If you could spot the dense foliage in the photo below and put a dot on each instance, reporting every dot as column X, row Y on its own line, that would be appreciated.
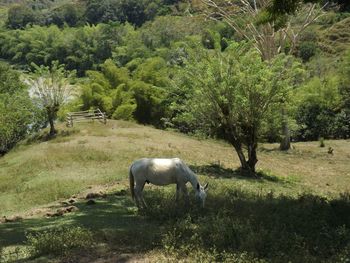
column 162, row 63
column 135, row 12
column 135, row 56
column 233, row 92
column 18, row 115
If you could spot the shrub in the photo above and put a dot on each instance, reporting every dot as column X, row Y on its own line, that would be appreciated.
column 58, row 241
column 124, row 112
column 322, row 142
column 307, row 50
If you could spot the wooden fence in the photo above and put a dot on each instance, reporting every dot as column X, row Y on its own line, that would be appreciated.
column 84, row 116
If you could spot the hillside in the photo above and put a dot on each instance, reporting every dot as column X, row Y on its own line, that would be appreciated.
column 37, row 175
column 336, row 38
column 97, row 155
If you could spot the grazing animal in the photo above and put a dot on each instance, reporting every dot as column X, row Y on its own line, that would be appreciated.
column 163, row 172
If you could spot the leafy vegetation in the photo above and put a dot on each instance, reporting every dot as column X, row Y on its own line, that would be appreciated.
column 134, row 61
column 19, row 115
column 233, row 92
column 265, row 71
column 51, row 88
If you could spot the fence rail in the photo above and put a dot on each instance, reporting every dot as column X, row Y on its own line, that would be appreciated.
column 84, row 116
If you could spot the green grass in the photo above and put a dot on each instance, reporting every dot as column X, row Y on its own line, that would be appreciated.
column 294, row 212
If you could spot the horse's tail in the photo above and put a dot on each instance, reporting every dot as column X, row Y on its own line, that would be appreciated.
column 131, row 180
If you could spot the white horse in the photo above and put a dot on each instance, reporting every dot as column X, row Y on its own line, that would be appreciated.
column 163, row 172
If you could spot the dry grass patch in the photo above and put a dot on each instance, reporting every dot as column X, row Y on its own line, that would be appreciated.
column 96, row 154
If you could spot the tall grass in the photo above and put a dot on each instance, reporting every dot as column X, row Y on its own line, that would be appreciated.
column 254, row 227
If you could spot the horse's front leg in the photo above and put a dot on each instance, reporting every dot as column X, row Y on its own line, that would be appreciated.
column 185, row 194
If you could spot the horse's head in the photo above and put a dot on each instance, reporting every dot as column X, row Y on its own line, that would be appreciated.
column 201, row 193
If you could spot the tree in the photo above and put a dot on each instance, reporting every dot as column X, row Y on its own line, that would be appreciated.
column 251, row 21
column 19, row 16
column 18, row 114
column 51, row 87
column 68, row 13
column 233, row 92
column 267, row 24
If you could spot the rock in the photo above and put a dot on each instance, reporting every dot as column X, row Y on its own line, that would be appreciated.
column 121, row 193
column 330, row 150
column 65, row 203
column 96, row 195
column 61, row 211
column 53, row 214
column 12, row 219
column 49, row 214
column 91, row 202
column 92, row 195
column 71, row 201
column 72, row 208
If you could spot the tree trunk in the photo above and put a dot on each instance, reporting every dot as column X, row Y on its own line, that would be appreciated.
column 252, row 157
column 242, row 159
column 51, row 119
column 285, row 141
column 248, row 166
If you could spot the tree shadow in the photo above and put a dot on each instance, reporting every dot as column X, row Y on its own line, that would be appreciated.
column 45, row 136
column 233, row 220
column 114, row 220
column 269, row 150
column 217, row 171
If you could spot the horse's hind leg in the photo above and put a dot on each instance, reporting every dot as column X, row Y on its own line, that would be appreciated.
column 177, row 192
column 139, row 196
column 142, row 199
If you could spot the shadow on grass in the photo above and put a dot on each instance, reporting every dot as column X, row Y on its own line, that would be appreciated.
column 114, row 220
column 276, row 228
column 45, row 136
column 307, row 228
column 217, row 171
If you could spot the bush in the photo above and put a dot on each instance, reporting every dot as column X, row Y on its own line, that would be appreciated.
column 307, row 50
column 322, row 144
column 124, row 112
column 19, row 116
column 59, row 241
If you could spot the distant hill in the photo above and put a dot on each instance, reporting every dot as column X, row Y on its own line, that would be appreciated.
column 336, row 39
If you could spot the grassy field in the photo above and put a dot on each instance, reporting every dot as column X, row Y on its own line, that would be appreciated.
column 299, row 210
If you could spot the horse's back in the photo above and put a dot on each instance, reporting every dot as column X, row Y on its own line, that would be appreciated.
column 160, row 171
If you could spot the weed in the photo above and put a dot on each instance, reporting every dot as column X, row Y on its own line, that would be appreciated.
column 322, row 144
column 59, row 241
